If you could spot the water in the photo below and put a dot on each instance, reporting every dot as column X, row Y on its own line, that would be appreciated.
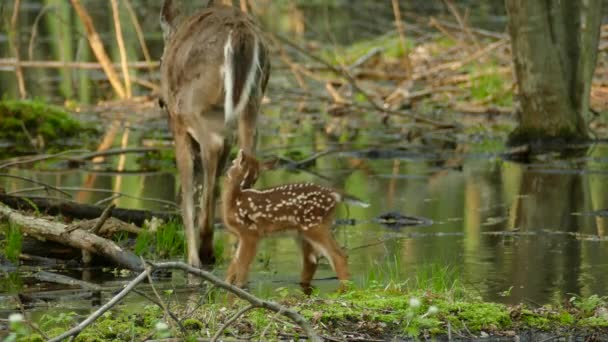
column 513, row 232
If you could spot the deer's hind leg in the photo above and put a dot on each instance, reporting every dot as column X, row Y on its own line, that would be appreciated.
column 183, row 155
column 212, row 154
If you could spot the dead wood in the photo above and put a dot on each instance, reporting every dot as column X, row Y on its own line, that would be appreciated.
column 79, row 238
column 150, row 268
column 65, row 280
column 75, row 210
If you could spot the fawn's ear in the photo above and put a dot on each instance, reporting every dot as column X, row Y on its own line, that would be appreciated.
column 239, row 157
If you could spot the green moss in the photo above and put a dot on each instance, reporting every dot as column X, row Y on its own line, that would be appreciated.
column 387, row 312
column 481, row 316
column 564, row 318
column 32, row 338
column 593, row 322
column 28, row 123
column 535, row 320
column 193, row 324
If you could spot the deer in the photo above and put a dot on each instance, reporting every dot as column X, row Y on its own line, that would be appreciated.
column 214, row 71
column 251, row 214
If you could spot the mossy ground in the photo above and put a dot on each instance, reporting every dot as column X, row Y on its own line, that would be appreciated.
column 35, row 125
column 374, row 312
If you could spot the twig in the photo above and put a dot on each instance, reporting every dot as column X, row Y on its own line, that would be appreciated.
column 98, row 49
column 65, row 280
column 339, row 71
column 106, row 200
column 306, row 162
column 257, row 302
column 14, row 42
column 44, row 185
column 30, row 138
column 102, row 219
column 401, row 30
column 140, row 35
column 368, row 55
column 253, row 300
column 231, row 320
column 12, row 62
column 121, row 48
column 480, row 32
column 72, row 188
column 461, row 22
column 34, row 33
column 38, row 158
column 161, row 303
column 77, row 329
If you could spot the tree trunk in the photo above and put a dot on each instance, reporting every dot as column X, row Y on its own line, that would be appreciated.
column 554, row 47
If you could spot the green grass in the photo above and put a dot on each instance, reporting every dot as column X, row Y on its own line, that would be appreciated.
column 166, row 241
column 391, row 45
column 12, row 244
column 490, row 85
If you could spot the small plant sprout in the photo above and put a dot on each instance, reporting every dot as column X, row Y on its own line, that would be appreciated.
column 15, row 318
column 415, row 302
column 431, row 311
column 17, row 327
column 162, row 329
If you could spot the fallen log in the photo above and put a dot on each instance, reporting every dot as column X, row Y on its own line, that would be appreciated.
column 76, row 210
column 78, row 238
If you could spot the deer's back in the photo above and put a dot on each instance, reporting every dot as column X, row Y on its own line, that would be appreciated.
column 193, row 57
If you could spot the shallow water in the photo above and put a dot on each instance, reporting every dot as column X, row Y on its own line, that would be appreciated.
column 511, row 231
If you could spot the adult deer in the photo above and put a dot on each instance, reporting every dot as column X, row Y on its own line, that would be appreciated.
column 305, row 208
column 214, row 71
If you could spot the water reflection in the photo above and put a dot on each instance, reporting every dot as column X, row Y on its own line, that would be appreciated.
column 500, row 224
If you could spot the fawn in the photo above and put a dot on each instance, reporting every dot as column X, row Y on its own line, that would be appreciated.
column 214, row 71
column 252, row 214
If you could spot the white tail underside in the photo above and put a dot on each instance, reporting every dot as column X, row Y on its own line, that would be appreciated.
column 228, row 69
column 232, row 110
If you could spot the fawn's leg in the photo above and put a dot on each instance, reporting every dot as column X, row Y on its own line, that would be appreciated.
column 231, row 272
column 238, row 271
column 185, row 166
column 309, row 262
column 322, row 240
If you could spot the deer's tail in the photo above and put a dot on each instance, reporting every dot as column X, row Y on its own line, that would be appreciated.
column 241, row 72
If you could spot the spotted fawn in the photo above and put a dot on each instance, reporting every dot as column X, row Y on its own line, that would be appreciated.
column 251, row 215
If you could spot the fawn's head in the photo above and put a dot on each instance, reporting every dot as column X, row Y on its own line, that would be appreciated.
column 245, row 169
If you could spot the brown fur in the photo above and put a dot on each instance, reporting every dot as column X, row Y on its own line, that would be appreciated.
column 192, row 89
column 251, row 215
